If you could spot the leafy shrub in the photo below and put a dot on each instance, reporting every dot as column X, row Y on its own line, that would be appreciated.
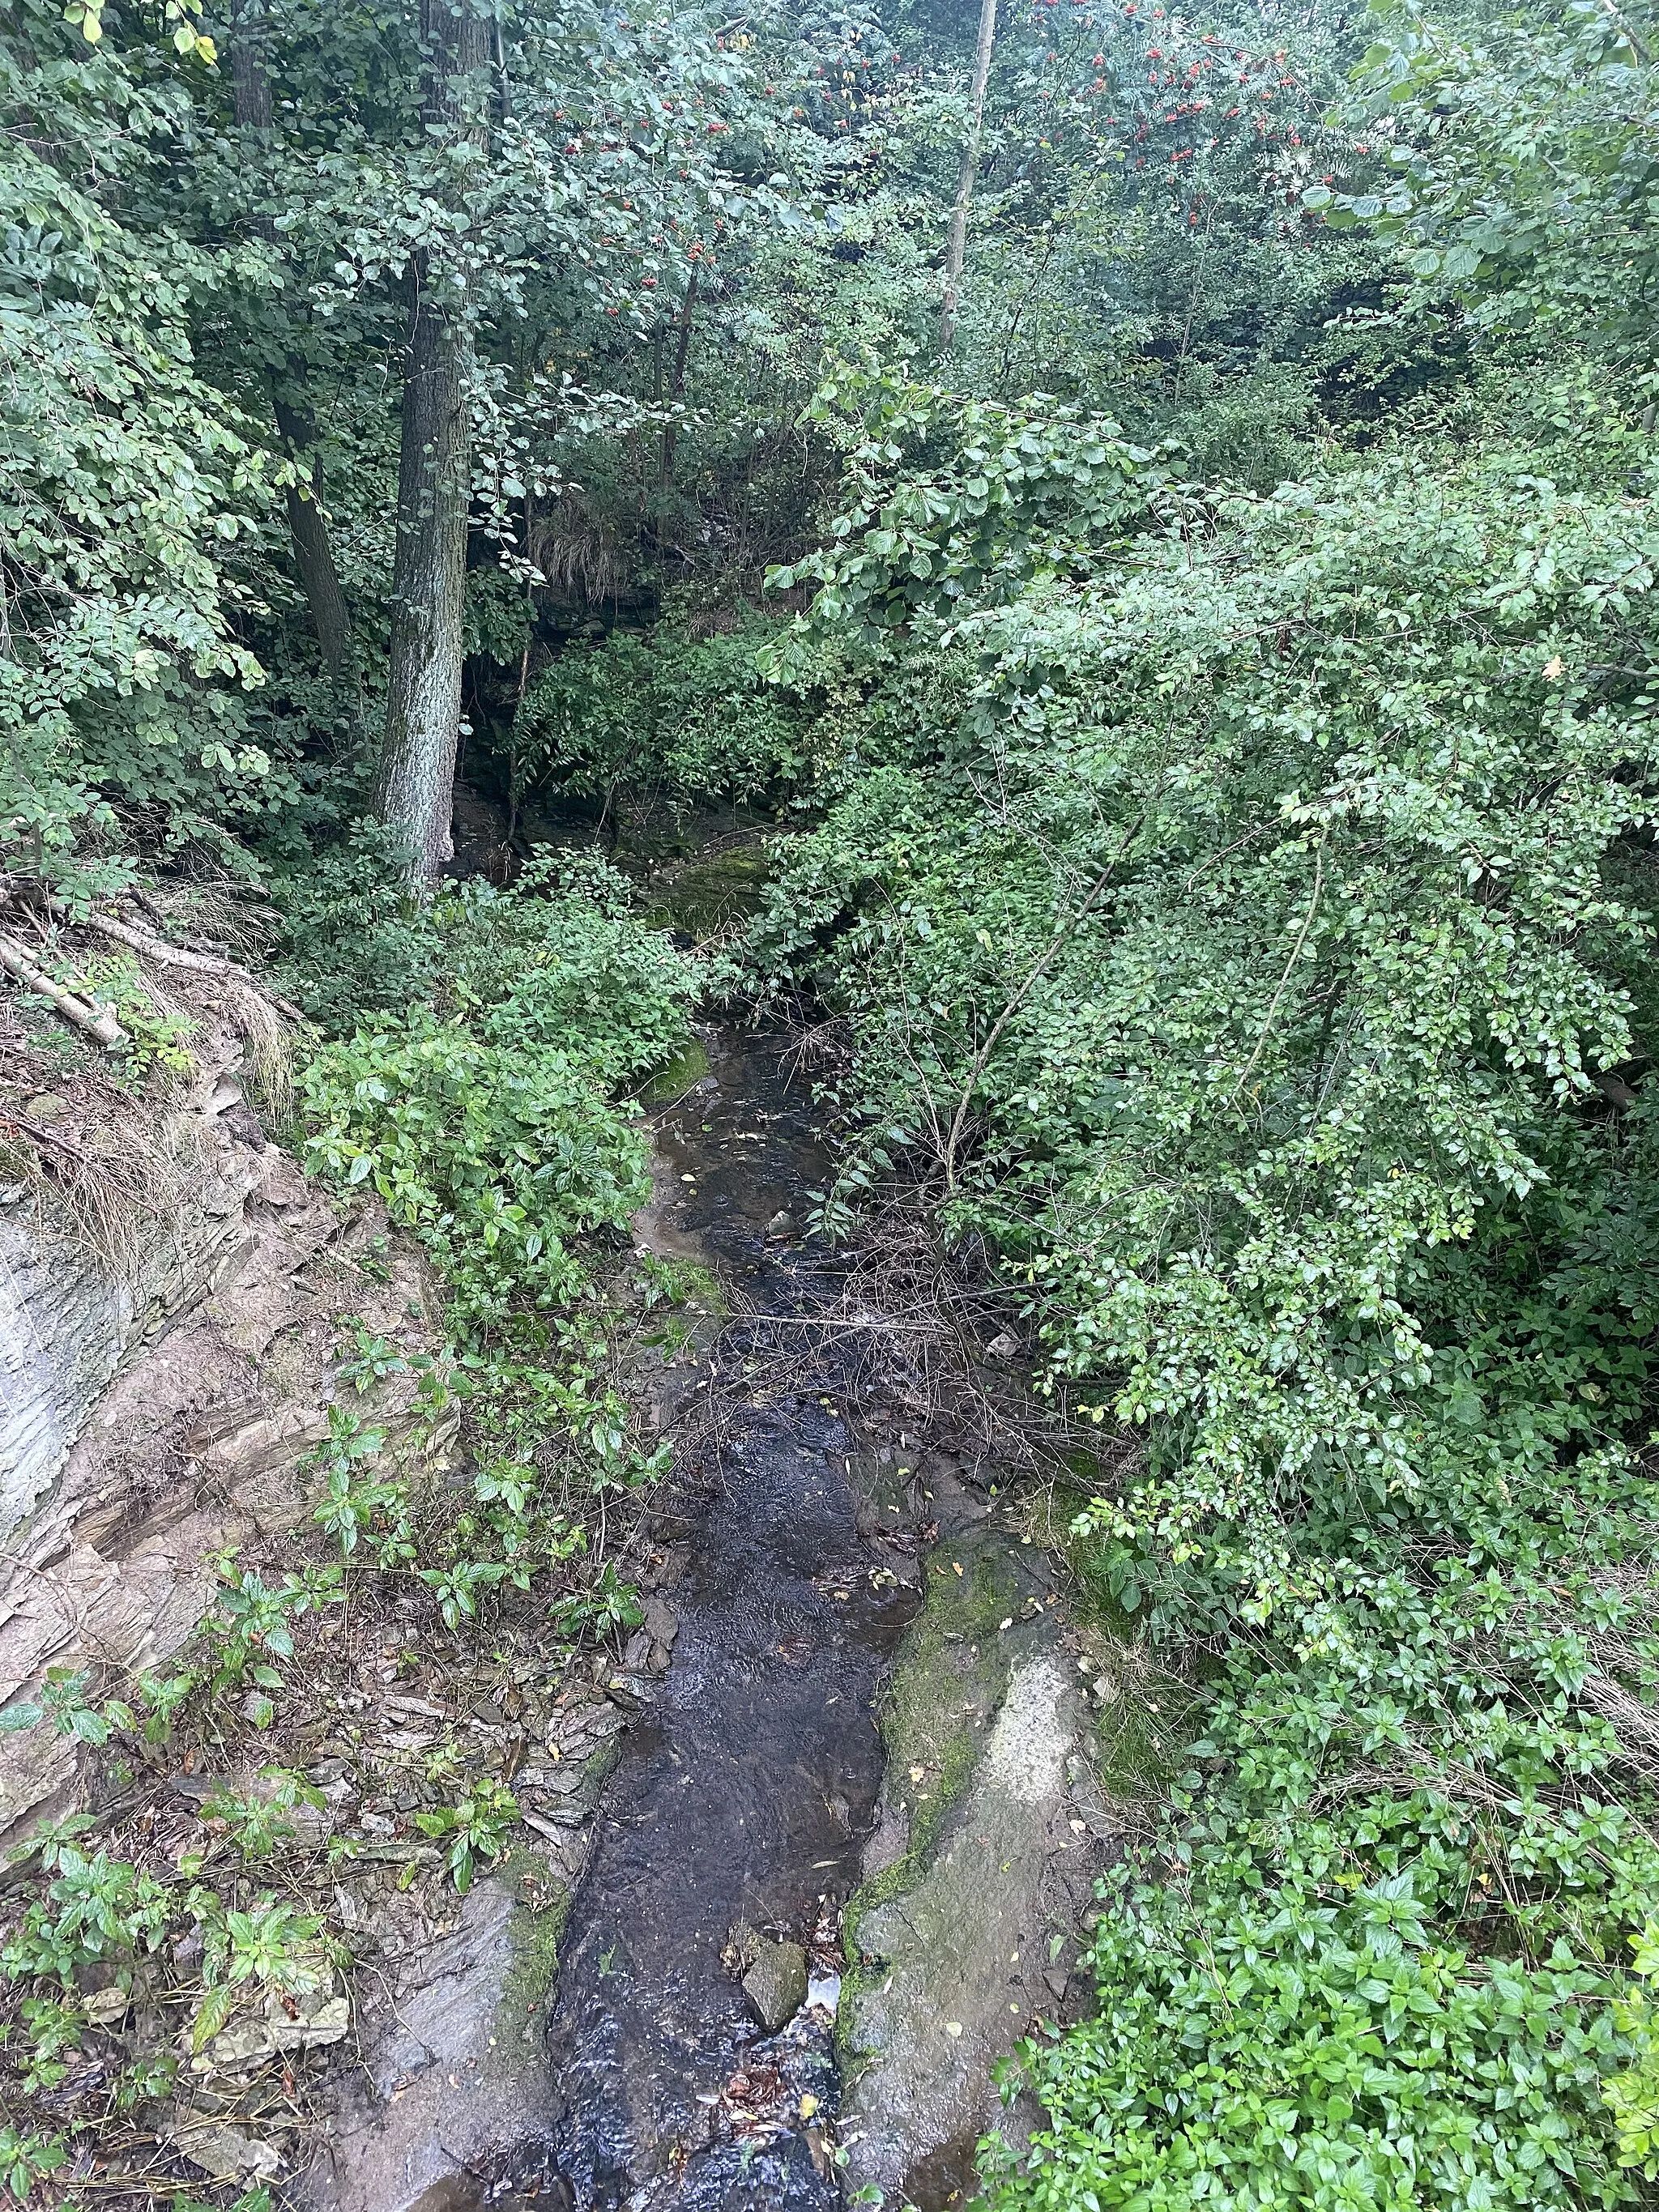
column 1257, row 965
column 476, row 1828
column 670, row 715
column 488, row 1129
column 1320, row 2043
column 355, row 940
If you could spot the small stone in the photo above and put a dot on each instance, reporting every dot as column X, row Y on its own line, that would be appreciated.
column 1002, row 1346
column 318, row 2018
column 781, row 1224
column 46, row 1107
column 105, row 2007
column 225, row 2154
column 775, row 1983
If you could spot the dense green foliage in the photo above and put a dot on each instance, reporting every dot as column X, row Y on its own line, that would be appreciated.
column 1237, row 954
column 486, row 1123
column 1243, row 919
column 1212, row 710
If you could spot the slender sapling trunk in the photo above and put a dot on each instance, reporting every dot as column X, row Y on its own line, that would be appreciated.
column 956, row 244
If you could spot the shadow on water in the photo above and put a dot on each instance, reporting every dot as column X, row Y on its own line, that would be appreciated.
column 745, row 1795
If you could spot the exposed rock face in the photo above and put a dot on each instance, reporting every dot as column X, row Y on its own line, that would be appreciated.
column 455, row 2070
column 981, row 1868
column 63, row 1324
column 68, row 1317
column 153, row 1412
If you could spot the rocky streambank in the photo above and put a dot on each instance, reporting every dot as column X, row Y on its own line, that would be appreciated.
column 846, row 1859
column 794, row 1863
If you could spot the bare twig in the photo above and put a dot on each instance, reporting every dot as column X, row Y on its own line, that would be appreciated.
column 1290, row 966
column 1033, row 976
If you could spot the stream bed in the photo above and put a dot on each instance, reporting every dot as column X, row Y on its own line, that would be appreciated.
column 744, row 1794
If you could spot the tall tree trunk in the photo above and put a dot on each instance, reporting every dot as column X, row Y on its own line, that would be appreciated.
column 314, row 554
column 429, row 589
column 429, row 586
column 957, row 243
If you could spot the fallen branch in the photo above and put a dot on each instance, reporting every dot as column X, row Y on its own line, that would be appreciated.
column 176, row 956
column 47, row 1137
column 98, row 1023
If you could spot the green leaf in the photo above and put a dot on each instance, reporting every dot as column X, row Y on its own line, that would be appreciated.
column 215, row 2008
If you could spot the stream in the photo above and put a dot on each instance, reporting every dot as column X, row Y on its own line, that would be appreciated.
column 744, row 1794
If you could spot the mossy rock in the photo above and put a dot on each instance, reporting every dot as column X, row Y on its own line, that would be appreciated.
column 948, row 1680
column 676, row 1077
column 952, row 1942
column 707, row 895
column 536, row 1933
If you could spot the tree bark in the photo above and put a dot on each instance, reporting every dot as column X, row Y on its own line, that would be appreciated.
column 250, row 80
column 314, row 554
column 423, row 700
column 957, row 243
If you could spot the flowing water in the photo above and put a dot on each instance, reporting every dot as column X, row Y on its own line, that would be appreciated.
column 744, row 1794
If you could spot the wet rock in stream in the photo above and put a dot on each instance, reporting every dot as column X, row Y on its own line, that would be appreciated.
column 980, row 1869
column 776, row 1981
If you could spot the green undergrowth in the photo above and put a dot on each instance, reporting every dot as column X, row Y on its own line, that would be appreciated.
column 491, row 1125
column 492, row 1122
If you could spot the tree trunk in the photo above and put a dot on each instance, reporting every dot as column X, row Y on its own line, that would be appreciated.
column 250, row 80
column 314, row 556
column 956, row 244
column 428, row 587
column 428, row 591
column 670, row 430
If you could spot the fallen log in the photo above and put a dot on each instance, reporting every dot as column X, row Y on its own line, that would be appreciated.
column 97, row 1022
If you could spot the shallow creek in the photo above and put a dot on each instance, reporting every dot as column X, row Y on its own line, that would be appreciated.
column 744, row 1794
